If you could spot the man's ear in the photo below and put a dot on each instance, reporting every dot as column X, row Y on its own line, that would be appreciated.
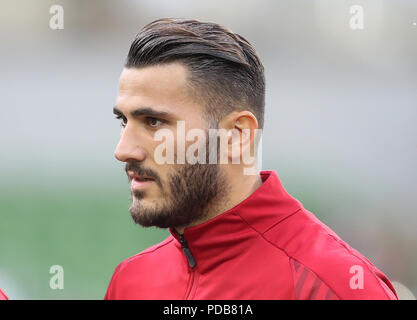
column 241, row 134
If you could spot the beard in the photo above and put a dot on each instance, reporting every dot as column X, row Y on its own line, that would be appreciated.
column 186, row 197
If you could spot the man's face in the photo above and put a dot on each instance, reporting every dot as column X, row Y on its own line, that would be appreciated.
column 163, row 195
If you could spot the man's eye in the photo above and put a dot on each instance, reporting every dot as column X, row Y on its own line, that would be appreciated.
column 123, row 121
column 153, row 122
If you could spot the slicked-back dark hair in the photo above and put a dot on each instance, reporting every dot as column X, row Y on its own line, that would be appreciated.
column 225, row 73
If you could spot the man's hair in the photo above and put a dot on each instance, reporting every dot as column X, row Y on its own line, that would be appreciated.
column 225, row 73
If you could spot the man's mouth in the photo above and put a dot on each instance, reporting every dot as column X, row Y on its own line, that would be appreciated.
column 139, row 182
column 143, row 179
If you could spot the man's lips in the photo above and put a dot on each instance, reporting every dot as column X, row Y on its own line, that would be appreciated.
column 139, row 177
column 140, row 185
column 139, row 182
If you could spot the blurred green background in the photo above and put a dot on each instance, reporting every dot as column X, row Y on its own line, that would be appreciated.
column 84, row 229
column 339, row 130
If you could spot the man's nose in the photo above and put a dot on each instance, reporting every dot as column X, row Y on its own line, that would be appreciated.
column 128, row 148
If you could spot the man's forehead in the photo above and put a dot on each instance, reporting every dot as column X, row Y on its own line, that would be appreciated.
column 163, row 86
column 159, row 79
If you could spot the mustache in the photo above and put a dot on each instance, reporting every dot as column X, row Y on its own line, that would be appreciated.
column 140, row 170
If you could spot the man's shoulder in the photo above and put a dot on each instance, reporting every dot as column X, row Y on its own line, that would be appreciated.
column 138, row 267
column 323, row 264
column 146, row 255
column 3, row 295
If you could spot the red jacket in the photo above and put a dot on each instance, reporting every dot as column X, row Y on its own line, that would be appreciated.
column 3, row 295
column 266, row 247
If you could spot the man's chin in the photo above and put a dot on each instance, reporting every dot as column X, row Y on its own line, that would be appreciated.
column 145, row 213
column 142, row 216
column 144, row 204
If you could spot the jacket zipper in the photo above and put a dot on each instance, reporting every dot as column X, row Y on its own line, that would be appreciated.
column 187, row 251
column 191, row 263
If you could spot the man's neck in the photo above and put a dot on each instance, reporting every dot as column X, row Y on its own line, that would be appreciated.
column 241, row 187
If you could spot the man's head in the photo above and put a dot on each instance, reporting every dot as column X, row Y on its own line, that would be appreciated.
column 198, row 73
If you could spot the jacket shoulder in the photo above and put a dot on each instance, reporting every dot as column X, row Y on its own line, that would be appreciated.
column 136, row 262
column 3, row 295
column 323, row 265
column 156, row 248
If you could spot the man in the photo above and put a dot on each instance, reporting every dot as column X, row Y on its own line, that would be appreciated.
column 234, row 235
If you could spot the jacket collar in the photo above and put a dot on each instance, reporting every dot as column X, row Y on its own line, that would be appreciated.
column 219, row 238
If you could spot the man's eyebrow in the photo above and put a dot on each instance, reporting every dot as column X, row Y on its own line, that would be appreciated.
column 149, row 112
column 117, row 112
column 145, row 111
